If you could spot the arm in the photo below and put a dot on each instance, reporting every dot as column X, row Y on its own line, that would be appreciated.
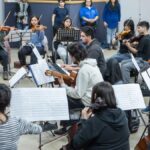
column 131, row 49
column 53, row 19
column 28, row 128
column 80, row 88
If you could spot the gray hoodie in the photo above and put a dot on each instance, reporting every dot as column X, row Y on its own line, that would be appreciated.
column 87, row 77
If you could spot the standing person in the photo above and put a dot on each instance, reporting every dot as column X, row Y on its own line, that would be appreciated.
column 93, row 47
column 59, row 15
column 88, row 75
column 12, row 128
column 126, row 34
column 36, row 39
column 22, row 13
column 103, row 126
column 88, row 14
column 142, row 51
column 111, row 18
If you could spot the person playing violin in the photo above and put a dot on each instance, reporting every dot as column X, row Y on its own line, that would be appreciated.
column 142, row 51
column 126, row 34
column 36, row 39
column 88, row 75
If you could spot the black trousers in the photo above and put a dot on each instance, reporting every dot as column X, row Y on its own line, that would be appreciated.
column 73, row 104
column 4, row 59
column 27, row 50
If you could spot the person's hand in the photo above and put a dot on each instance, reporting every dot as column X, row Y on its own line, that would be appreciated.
column 60, row 80
column 105, row 24
column 127, row 44
column 86, row 113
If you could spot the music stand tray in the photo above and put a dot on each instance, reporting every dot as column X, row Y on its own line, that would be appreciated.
column 68, row 35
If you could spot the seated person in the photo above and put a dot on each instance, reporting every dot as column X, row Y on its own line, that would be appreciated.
column 36, row 39
column 62, row 46
column 4, row 62
column 12, row 128
column 103, row 126
column 88, row 75
column 126, row 34
column 142, row 51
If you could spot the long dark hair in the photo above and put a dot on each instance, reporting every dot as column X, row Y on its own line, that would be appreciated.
column 30, row 27
column 63, row 23
column 84, row 3
column 103, row 96
column 5, row 96
column 129, row 23
column 115, row 7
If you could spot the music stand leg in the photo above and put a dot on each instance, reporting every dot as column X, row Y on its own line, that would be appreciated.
column 141, row 117
column 40, row 138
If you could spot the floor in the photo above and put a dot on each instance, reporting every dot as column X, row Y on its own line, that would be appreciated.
column 31, row 142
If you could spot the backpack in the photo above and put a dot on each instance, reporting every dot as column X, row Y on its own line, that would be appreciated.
column 133, row 120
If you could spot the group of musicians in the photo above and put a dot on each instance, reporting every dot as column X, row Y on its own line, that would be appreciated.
column 100, row 116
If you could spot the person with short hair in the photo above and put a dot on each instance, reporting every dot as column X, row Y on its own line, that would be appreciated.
column 142, row 51
column 93, row 47
column 59, row 14
column 12, row 128
column 103, row 125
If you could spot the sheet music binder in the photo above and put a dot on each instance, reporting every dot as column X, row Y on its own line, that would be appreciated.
column 38, row 73
column 69, row 35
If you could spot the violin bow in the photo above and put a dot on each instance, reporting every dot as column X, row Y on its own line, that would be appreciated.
column 6, row 18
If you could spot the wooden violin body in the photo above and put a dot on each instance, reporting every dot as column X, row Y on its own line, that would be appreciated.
column 6, row 28
column 38, row 28
column 122, row 34
column 69, row 80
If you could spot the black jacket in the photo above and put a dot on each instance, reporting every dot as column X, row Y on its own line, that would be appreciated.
column 107, row 130
column 94, row 51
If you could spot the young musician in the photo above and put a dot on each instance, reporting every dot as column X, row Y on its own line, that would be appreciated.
column 103, row 125
column 36, row 39
column 62, row 46
column 88, row 75
column 142, row 51
column 126, row 34
column 12, row 128
column 58, row 15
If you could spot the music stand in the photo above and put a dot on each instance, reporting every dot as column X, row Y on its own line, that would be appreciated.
column 20, row 36
column 68, row 35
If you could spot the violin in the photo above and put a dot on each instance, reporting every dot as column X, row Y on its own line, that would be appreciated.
column 122, row 34
column 38, row 28
column 135, row 38
column 6, row 28
column 69, row 80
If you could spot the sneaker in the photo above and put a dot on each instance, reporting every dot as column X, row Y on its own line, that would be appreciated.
column 146, row 110
column 60, row 131
column 48, row 126
column 5, row 75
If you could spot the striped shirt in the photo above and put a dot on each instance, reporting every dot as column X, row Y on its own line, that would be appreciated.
column 11, row 131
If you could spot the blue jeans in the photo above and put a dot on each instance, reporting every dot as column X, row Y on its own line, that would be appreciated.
column 120, row 57
column 127, row 66
column 110, row 35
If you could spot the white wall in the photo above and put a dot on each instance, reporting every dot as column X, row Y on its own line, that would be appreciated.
column 136, row 9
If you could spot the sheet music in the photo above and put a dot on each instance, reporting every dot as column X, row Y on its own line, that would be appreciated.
column 134, row 62
column 129, row 96
column 38, row 73
column 146, row 78
column 37, row 54
column 39, row 104
column 18, row 75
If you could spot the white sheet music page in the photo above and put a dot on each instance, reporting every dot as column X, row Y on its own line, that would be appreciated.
column 39, row 104
column 146, row 78
column 37, row 54
column 129, row 96
column 134, row 62
column 38, row 72
column 18, row 75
